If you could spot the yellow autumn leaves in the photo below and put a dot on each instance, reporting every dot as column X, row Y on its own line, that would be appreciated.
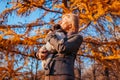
column 27, row 5
column 93, row 10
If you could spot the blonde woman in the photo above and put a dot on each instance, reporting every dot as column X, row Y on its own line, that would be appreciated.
column 61, row 66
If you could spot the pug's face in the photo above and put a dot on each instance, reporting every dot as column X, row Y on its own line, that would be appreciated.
column 42, row 53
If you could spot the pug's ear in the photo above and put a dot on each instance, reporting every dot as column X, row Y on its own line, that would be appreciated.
column 35, row 55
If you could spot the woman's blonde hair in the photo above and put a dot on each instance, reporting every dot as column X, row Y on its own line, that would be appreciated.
column 72, row 19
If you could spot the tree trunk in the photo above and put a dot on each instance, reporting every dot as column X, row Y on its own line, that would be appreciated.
column 65, row 3
column 94, row 76
column 107, row 73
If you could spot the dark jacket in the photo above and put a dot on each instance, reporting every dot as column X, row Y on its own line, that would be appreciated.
column 62, row 63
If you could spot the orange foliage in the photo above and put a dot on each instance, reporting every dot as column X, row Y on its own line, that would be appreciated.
column 103, row 48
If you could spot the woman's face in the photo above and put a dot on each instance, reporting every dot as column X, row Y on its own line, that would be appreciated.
column 66, row 26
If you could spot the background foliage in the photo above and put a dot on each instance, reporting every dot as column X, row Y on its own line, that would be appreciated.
column 98, row 57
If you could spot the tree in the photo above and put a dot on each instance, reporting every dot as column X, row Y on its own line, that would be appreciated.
column 99, row 23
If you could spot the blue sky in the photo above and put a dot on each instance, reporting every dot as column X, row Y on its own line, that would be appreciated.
column 15, row 19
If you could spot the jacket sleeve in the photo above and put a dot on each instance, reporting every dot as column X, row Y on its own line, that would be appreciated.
column 72, row 44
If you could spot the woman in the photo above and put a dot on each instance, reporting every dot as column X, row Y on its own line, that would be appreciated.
column 61, row 66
